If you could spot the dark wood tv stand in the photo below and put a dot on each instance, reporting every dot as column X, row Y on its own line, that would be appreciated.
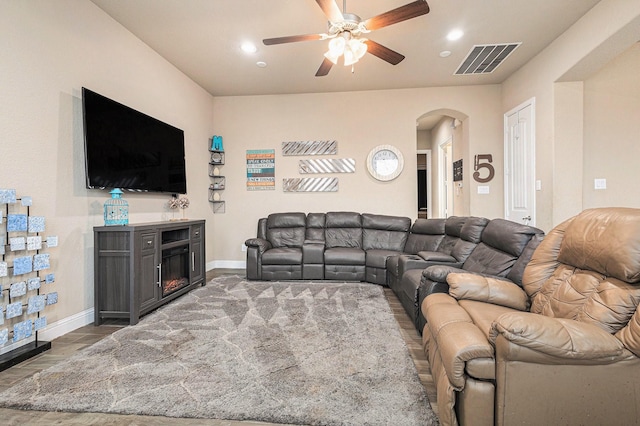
column 139, row 267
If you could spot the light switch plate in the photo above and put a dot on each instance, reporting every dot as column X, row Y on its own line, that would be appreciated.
column 483, row 189
column 599, row 184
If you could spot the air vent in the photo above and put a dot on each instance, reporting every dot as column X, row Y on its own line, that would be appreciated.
column 484, row 58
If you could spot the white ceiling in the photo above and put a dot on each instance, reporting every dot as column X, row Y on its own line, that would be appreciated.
column 202, row 38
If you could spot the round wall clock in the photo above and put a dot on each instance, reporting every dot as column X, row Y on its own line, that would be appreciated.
column 385, row 162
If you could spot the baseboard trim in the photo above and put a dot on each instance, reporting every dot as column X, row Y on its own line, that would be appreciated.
column 66, row 325
column 226, row 264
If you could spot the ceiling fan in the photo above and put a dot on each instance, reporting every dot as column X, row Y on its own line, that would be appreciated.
column 346, row 30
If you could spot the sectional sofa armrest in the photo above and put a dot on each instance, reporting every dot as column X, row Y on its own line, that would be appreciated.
column 259, row 243
column 434, row 279
column 439, row 273
column 540, row 339
column 487, row 289
column 458, row 339
column 313, row 252
column 436, row 256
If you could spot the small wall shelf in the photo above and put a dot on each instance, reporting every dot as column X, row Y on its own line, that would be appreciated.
column 217, row 158
column 218, row 182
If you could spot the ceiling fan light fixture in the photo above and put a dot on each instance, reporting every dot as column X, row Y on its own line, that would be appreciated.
column 354, row 51
column 337, row 46
column 349, row 57
column 330, row 56
column 358, row 46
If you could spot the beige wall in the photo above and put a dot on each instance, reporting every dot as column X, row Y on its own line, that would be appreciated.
column 359, row 121
column 604, row 32
column 612, row 132
column 50, row 49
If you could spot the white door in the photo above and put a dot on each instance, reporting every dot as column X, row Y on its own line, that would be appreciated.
column 519, row 164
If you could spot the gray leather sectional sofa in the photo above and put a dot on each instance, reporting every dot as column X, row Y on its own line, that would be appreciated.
column 332, row 246
column 412, row 259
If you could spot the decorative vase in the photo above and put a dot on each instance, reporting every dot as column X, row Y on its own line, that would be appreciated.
column 116, row 209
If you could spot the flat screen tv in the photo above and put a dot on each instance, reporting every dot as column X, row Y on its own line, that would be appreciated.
column 127, row 149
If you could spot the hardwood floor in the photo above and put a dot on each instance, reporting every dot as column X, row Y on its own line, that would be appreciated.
column 66, row 345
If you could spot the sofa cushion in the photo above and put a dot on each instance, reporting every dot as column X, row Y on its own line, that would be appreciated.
column 470, row 236
column 315, row 226
column 612, row 250
column 453, row 226
column 384, row 232
column 344, row 256
column 473, row 228
column 490, row 290
column 588, row 297
column 426, row 234
column 517, row 270
column 558, row 337
column 286, row 229
column 282, row 256
column 488, row 260
column 507, row 236
column 343, row 229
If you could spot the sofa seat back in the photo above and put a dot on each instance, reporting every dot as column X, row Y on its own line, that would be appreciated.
column 343, row 229
column 286, row 229
column 425, row 234
column 588, row 272
column 315, row 227
column 452, row 227
column 469, row 237
column 502, row 247
column 384, row 232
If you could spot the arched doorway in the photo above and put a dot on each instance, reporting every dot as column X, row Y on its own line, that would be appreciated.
column 440, row 133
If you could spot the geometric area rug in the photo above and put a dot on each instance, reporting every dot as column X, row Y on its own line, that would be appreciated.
column 312, row 353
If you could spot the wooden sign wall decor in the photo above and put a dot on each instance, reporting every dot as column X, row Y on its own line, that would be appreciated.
column 483, row 161
column 457, row 170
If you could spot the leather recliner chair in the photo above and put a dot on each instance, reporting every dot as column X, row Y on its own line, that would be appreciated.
column 564, row 349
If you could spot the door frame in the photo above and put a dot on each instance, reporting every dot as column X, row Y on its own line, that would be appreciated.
column 445, row 171
column 427, row 152
column 532, row 158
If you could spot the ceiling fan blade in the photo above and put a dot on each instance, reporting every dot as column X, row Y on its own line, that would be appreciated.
column 324, row 69
column 402, row 13
column 292, row 39
column 331, row 10
column 384, row 53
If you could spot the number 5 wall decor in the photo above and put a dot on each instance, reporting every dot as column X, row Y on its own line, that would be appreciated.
column 483, row 161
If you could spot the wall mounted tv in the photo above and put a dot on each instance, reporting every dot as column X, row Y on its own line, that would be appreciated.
column 127, row 149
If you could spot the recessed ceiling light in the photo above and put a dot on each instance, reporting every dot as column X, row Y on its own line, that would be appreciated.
column 445, row 53
column 261, row 64
column 249, row 47
column 455, row 35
